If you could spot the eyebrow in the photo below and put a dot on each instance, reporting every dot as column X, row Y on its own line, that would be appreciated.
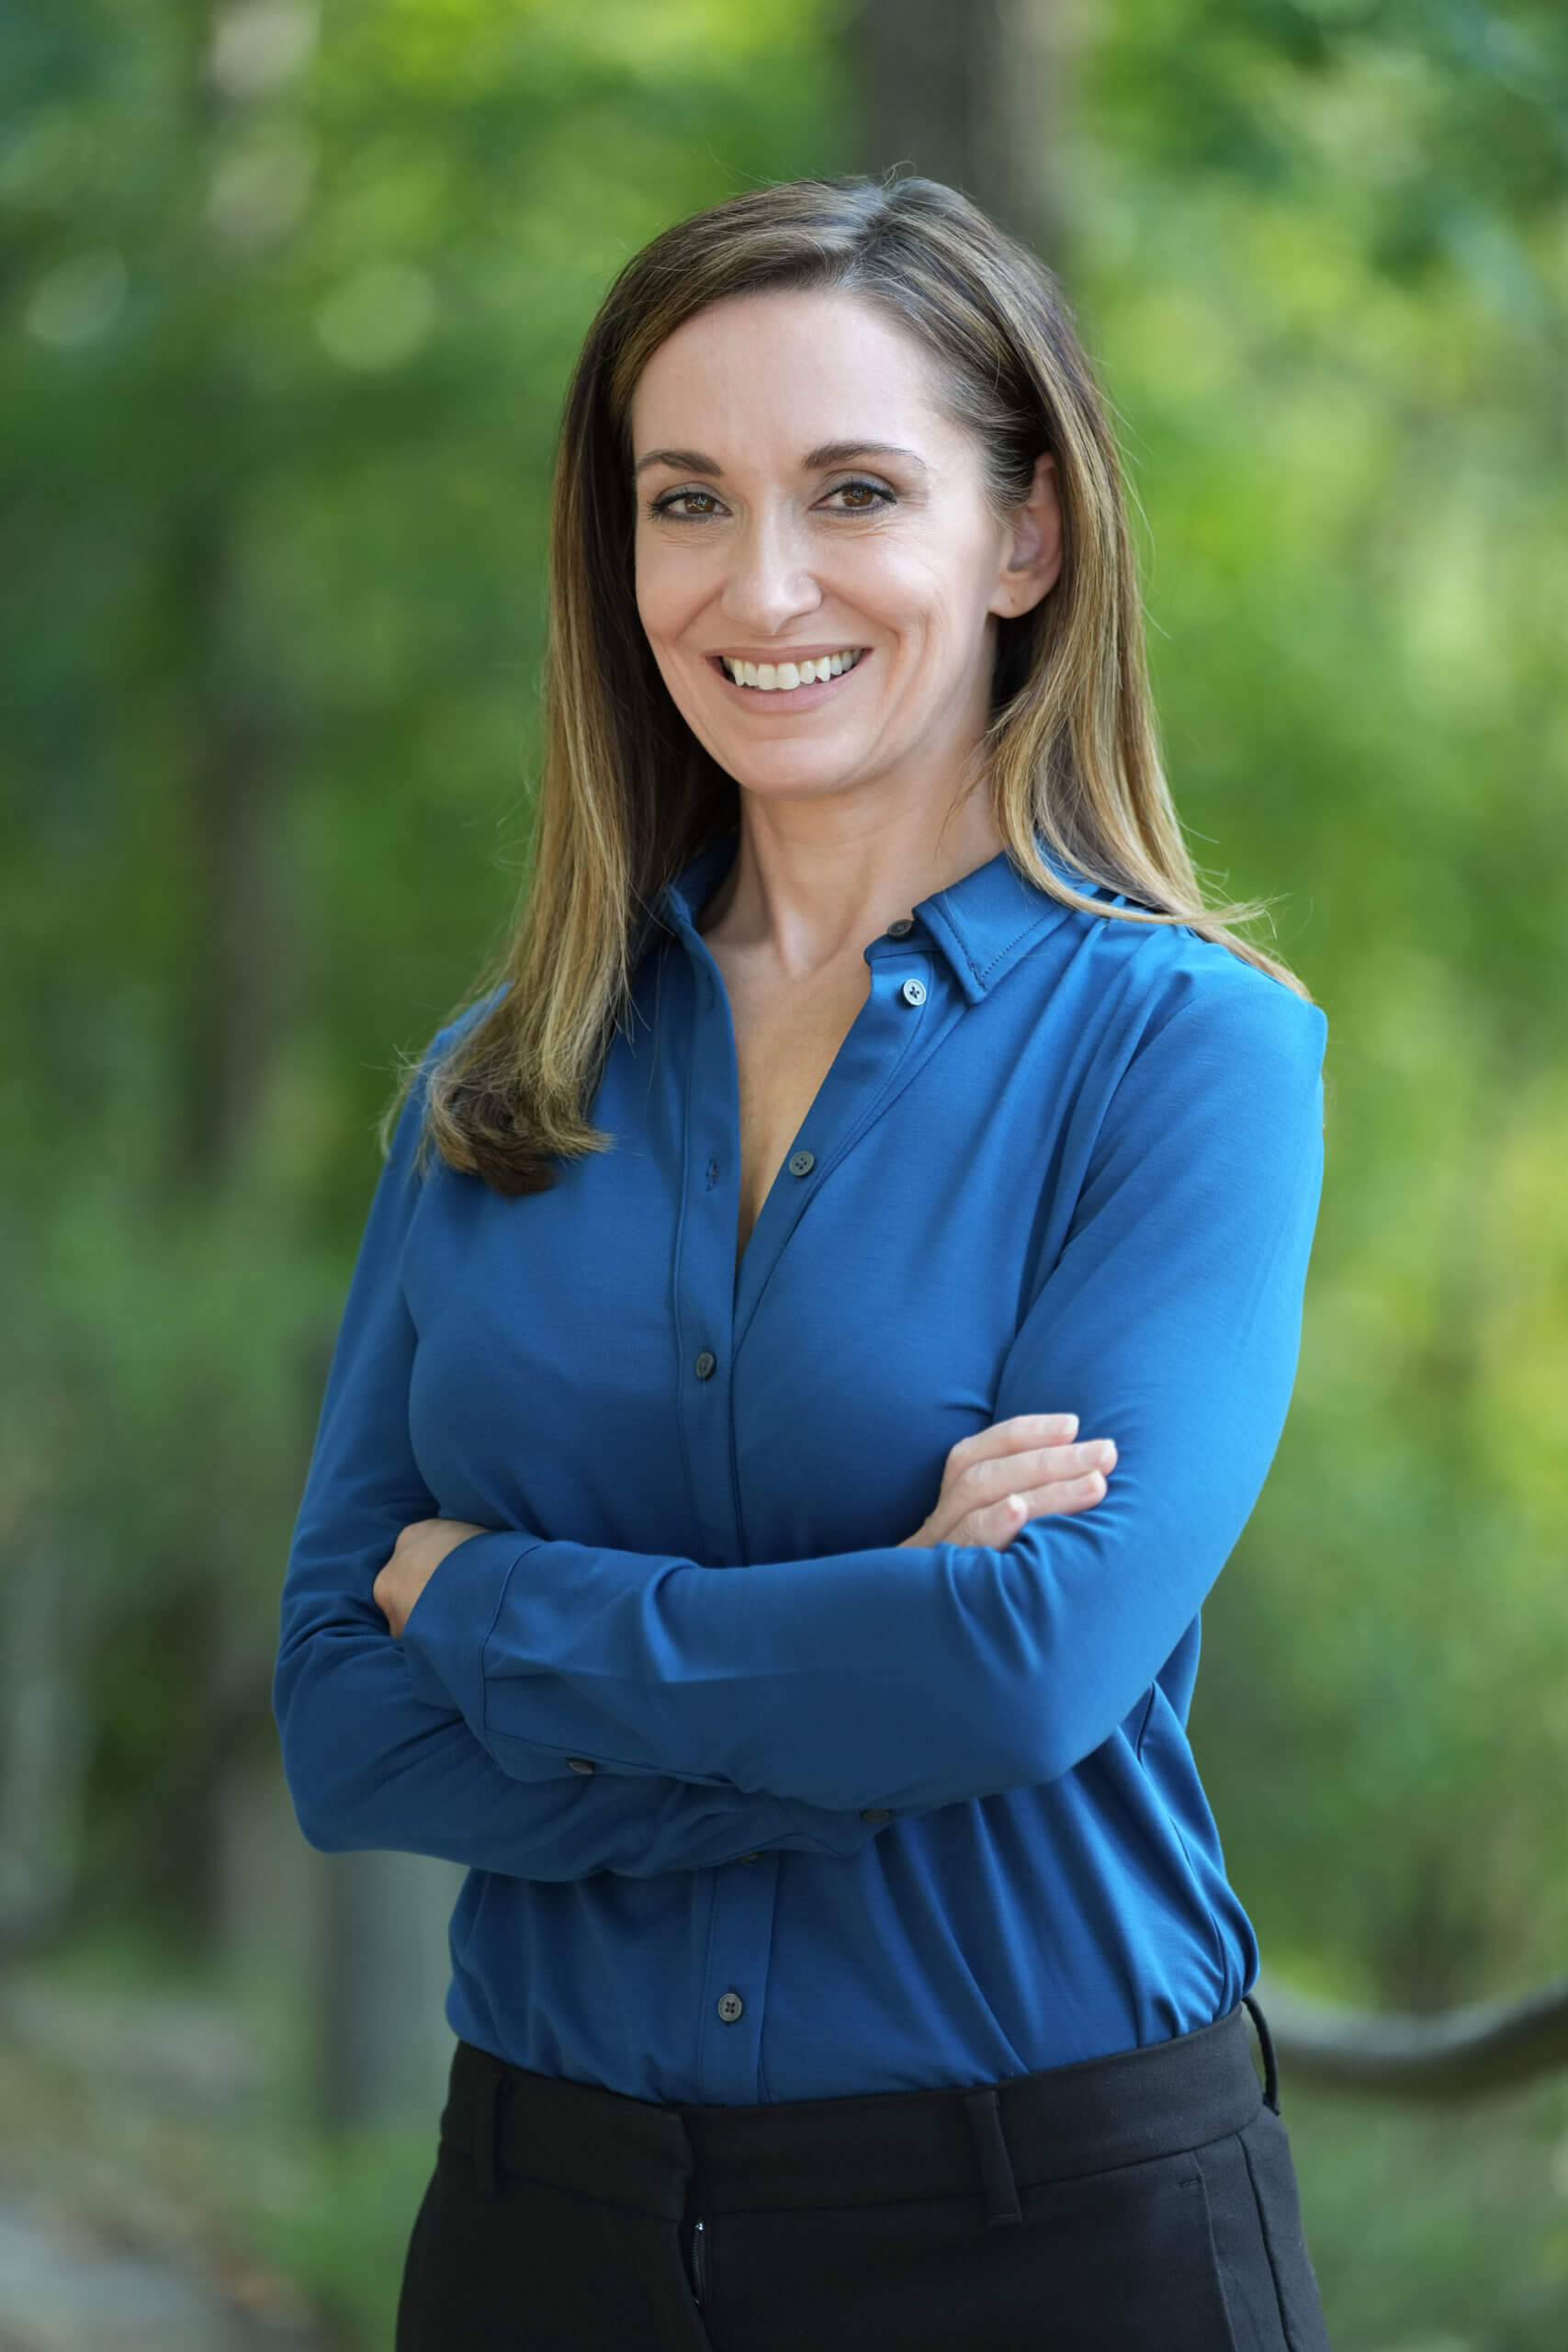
column 831, row 453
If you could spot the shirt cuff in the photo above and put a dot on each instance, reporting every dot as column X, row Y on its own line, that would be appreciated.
column 446, row 1630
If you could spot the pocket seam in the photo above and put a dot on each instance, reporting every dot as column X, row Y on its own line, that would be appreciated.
column 1285, row 2328
column 1217, row 2269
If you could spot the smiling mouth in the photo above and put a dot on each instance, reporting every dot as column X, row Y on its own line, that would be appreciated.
column 787, row 677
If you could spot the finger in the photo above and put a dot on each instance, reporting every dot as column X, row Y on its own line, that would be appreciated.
column 1043, row 1465
column 1011, row 1436
column 1064, row 1494
column 1000, row 1522
column 974, row 1485
column 997, row 1524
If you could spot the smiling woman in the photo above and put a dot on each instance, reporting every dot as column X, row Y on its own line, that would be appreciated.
column 869, row 1129
column 784, row 545
column 629, row 791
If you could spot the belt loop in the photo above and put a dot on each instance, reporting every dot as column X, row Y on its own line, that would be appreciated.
column 1270, row 2064
column 983, row 2109
column 486, row 2122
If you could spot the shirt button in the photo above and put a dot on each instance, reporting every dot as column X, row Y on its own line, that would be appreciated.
column 913, row 991
column 706, row 1364
column 751, row 1857
column 876, row 1812
column 579, row 1764
column 730, row 2005
column 801, row 1164
column 900, row 928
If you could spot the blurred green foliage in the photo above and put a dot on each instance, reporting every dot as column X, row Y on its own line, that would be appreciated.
column 291, row 305
column 1338, row 345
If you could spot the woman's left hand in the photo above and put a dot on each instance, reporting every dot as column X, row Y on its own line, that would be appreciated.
column 418, row 1551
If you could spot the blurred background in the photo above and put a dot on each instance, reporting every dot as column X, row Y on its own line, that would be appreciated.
column 289, row 296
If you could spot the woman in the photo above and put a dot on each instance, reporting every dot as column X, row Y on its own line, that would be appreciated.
column 870, row 1130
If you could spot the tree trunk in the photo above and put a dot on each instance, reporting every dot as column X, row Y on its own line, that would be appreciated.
column 972, row 92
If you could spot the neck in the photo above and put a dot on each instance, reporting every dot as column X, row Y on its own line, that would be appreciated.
column 813, row 880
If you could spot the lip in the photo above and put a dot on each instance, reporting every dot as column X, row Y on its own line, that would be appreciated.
column 776, row 705
column 777, row 653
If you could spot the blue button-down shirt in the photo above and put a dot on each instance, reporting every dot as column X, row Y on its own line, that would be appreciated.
column 759, row 1802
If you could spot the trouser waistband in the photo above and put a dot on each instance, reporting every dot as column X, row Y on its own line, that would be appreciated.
column 888, row 2148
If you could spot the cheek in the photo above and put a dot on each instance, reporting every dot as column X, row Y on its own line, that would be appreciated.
column 672, row 588
column 935, row 586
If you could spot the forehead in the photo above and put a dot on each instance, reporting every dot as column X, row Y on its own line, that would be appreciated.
column 807, row 369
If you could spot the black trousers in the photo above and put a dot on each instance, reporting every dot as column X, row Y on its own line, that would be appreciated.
column 1145, row 2202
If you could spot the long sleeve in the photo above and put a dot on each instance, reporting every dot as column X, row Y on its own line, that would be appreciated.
column 374, row 1759
column 913, row 1678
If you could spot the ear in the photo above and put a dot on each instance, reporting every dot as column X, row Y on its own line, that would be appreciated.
column 1031, row 555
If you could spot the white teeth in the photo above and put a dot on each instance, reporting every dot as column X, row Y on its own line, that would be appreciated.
column 783, row 677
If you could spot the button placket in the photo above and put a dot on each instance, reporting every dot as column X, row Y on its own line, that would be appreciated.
column 704, row 1272
column 734, row 1980
column 894, row 1032
column 866, row 1074
column 726, row 2047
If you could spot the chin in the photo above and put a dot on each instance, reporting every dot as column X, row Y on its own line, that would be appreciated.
column 778, row 778
column 802, row 764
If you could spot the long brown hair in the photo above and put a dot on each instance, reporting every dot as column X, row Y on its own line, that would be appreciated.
column 628, row 796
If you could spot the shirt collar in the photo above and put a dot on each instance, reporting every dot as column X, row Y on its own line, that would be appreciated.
column 981, row 923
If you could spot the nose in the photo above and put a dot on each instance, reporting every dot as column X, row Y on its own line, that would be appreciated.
column 769, row 581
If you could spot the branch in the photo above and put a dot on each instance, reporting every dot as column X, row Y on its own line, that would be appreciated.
column 1457, row 2053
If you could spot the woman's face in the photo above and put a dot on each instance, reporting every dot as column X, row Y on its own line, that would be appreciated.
column 805, row 508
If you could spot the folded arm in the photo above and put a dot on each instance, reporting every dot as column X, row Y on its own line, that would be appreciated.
column 912, row 1677
column 375, row 1756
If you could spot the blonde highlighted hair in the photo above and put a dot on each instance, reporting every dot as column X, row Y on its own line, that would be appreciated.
column 628, row 797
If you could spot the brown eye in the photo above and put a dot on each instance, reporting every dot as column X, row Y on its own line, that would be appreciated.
column 677, row 504
column 861, row 497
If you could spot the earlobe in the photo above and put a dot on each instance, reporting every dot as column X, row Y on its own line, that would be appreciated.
column 1033, row 562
